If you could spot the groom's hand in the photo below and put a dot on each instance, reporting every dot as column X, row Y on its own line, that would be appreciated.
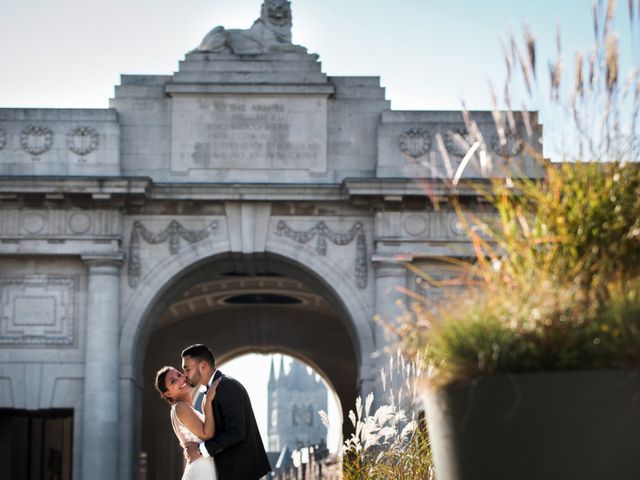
column 191, row 452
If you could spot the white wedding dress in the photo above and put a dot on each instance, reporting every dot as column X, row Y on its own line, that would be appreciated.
column 203, row 468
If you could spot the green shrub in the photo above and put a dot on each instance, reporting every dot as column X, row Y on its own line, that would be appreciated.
column 555, row 286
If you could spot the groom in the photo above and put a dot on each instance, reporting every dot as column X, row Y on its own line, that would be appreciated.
column 236, row 446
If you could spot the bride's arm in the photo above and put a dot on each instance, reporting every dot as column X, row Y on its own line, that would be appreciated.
column 191, row 420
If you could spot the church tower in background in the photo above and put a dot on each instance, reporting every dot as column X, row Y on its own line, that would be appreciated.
column 294, row 401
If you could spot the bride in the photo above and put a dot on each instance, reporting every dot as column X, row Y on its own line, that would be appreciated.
column 189, row 424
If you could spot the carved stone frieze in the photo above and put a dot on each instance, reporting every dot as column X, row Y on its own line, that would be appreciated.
column 34, row 222
column 456, row 226
column 82, row 140
column 478, row 226
column 79, row 222
column 3, row 138
column 36, row 140
column 173, row 233
column 322, row 233
column 415, row 225
column 71, row 223
column 427, row 226
column 415, row 142
column 38, row 310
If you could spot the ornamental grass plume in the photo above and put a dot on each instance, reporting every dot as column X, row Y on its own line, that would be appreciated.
column 390, row 442
column 555, row 282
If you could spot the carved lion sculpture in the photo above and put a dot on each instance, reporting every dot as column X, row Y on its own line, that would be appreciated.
column 270, row 33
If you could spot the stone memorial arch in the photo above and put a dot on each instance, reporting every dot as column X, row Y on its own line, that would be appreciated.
column 248, row 201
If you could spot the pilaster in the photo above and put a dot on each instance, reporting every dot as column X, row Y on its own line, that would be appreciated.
column 100, row 425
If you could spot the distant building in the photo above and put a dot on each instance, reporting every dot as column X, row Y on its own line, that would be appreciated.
column 294, row 402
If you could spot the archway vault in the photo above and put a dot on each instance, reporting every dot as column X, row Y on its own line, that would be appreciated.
column 283, row 305
column 142, row 307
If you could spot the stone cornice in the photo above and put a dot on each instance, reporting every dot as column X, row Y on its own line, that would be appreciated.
column 248, row 192
column 241, row 88
column 143, row 188
column 95, row 186
column 396, row 188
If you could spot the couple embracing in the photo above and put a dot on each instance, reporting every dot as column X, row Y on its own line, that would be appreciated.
column 223, row 442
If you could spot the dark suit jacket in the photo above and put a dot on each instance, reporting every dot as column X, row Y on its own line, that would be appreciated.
column 236, row 447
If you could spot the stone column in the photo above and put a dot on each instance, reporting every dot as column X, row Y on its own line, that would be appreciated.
column 389, row 275
column 100, row 424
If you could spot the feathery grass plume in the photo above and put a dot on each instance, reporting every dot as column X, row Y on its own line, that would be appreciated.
column 525, row 116
column 531, row 48
column 442, row 149
column 511, row 118
column 611, row 8
column 578, row 94
column 634, row 115
column 498, row 118
column 592, row 69
column 392, row 441
column 579, row 79
column 555, row 77
column 595, row 16
column 465, row 161
column 525, row 68
column 507, row 59
column 611, row 61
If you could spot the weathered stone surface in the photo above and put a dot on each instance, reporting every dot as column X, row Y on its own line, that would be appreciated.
column 408, row 146
column 255, row 133
column 59, row 223
column 59, row 142
column 267, row 69
column 38, row 310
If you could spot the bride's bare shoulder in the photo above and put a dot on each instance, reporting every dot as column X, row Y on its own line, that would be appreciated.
column 181, row 408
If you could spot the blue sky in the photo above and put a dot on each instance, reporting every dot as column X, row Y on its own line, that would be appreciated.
column 430, row 54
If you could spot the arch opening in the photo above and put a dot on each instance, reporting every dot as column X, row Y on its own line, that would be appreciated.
column 287, row 391
column 194, row 308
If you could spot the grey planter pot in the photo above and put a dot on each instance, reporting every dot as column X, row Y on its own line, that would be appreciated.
column 579, row 425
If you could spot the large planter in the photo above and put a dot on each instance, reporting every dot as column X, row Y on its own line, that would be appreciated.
column 578, row 425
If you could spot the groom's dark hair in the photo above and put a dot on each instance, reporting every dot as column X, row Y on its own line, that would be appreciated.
column 200, row 352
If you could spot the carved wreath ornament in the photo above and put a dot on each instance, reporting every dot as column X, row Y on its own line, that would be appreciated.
column 173, row 232
column 511, row 148
column 82, row 140
column 455, row 140
column 415, row 142
column 36, row 139
column 322, row 232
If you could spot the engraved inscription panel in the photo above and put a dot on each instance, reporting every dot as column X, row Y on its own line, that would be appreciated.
column 34, row 310
column 37, row 310
column 249, row 133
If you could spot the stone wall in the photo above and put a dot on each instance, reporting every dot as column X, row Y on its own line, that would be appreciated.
column 59, row 142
